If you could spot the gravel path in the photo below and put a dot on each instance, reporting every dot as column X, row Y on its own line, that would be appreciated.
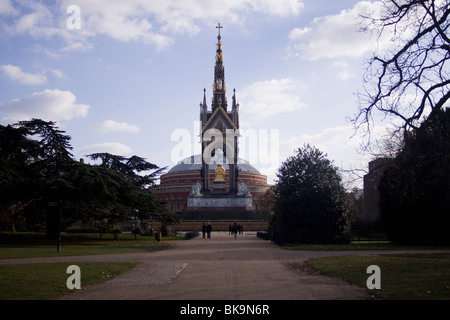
column 220, row 268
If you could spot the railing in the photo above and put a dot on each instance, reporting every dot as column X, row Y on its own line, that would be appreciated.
column 220, row 225
column 358, row 236
column 369, row 236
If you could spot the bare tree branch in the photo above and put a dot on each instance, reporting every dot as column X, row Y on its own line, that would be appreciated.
column 410, row 81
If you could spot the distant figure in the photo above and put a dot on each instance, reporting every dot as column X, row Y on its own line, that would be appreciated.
column 229, row 229
column 235, row 230
column 203, row 230
column 208, row 230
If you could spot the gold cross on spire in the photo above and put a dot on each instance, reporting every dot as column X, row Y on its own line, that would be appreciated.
column 219, row 27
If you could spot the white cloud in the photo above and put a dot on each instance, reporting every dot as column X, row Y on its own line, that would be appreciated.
column 339, row 35
column 113, row 126
column 34, row 19
column 299, row 33
column 107, row 147
column 74, row 45
column 6, row 8
column 338, row 143
column 265, row 99
column 115, row 23
column 154, row 22
column 57, row 73
column 279, row 7
column 157, row 21
column 50, row 105
column 344, row 73
column 15, row 73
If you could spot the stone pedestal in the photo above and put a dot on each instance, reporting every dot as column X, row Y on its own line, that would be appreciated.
column 218, row 207
column 219, row 188
column 219, row 204
column 213, row 202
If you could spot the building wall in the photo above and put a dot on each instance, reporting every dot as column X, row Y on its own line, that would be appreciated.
column 175, row 188
column 367, row 207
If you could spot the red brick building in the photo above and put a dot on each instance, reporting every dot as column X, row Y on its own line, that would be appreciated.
column 176, row 185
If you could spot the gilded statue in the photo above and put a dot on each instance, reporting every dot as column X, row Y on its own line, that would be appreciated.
column 220, row 174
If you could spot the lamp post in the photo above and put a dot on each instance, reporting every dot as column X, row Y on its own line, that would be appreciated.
column 58, row 242
column 60, row 204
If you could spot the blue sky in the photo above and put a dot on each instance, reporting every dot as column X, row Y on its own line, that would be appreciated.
column 131, row 77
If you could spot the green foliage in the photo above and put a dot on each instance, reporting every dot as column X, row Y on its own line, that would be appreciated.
column 52, row 149
column 130, row 167
column 310, row 201
column 415, row 190
column 38, row 169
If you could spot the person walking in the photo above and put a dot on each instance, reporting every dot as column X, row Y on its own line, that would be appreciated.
column 235, row 230
column 203, row 230
column 209, row 229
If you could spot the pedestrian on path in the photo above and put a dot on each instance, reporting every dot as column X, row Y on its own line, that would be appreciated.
column 235, row 230
column 209, row 229
column 203, row 230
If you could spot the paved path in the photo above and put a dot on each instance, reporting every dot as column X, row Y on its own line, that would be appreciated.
column 220, row 268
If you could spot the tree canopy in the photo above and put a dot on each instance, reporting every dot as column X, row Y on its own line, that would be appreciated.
column 130, row 167
column 310, row 201
column 415, row 189
column 38, row 168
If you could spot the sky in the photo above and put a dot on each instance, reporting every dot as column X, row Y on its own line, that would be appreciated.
column 127, row 77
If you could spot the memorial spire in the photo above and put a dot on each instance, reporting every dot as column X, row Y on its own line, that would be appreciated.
column 219, row 99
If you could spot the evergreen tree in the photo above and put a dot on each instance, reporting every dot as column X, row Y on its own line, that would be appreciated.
column 132, row 168
column 38, row 170
column 310, row 201
column 16, row 176
column 415, row 190
column 53, row 150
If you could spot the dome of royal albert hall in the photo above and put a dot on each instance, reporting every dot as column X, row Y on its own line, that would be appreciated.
column 194, row 163
column 176, row 185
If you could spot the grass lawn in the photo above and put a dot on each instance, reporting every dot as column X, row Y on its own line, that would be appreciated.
column 359, row 246
column 47, row 281
column 46, row 249
column 22, row 245
column 407, row 277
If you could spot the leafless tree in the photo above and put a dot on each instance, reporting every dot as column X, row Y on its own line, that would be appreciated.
column 409, row 79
